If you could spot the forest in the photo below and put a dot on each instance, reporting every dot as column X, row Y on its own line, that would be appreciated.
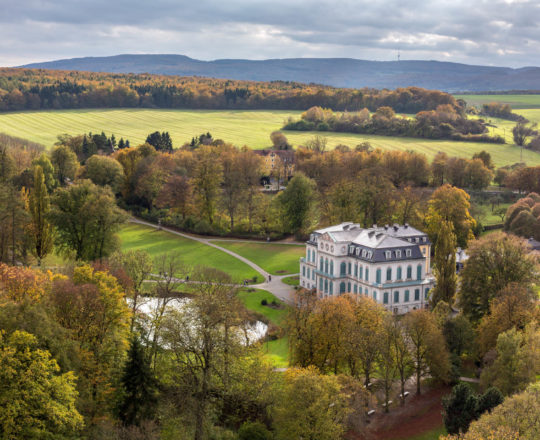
column 34, row 89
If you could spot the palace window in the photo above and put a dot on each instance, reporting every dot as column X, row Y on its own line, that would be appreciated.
column 303, row 271
column 349, row 288
column 406, row 299
column 398, row 253
column 343, row 269
column 361, row 272
column 396, row 296
column 322, row 265
column 349, row 269
column 326, row 265
column 331, row 288
column 375, row 295
column 378, row 276
column 419, row 272
column 385, row 298
column 389, row 274
column 388, row 254
column 355, row 288
column 342, row 287
column 367, row 274
column 408, row 252
column 356, row 270
column 409, row 272
column 417, row 294
column 331, row 268
column 399, row 274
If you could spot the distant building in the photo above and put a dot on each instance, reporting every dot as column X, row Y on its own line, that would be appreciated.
column 274, row 159
column 390, row 264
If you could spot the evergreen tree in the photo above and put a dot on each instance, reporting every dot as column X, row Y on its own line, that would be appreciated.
column 127, row 143
column 121, row 144
column 139, row 388
column 445, row 265
column 459, row 409
column 489, row 400
column 41, row 231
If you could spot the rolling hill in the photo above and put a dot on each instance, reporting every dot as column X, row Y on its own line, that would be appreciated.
column 338, row 72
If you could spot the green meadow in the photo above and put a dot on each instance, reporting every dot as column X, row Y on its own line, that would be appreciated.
column 516, row 101
column 251, row 128
column 191, row 253
column 275, row 258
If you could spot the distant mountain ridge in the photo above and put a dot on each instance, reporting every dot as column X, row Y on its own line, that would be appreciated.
column 337, row 72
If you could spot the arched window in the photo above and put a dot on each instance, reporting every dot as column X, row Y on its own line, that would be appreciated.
column 331, row 267
column 326, row 265
column 378, row 276
column 385, row 298
column 406, row 299
column 361, row 272
column 322, row 265
column 398, row 273
column 348, row 287
column 389, row 274
column 349, row 272
column 409, row 272
column 356, row 270
column 342, row 287
column 419, row 272
column 343, row 269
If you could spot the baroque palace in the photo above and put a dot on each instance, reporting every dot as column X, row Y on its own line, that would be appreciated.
column 391, row 264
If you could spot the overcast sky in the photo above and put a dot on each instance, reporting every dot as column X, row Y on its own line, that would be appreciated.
column 493, row 32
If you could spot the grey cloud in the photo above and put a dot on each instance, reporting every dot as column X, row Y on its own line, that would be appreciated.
column 464, row 31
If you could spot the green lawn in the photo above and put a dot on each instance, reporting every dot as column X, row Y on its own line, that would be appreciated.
column 252, row 301
column 272, row 257
column 193, row 253
column 277, row 352
column 489, row 218
column 433, row 434
column 291, row 281
column 251, row 128
column 516, row 101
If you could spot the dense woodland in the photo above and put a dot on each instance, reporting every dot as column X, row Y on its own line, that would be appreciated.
column 33, row 89
column 443, row 122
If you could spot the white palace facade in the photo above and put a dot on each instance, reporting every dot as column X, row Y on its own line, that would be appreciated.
column 390, row 264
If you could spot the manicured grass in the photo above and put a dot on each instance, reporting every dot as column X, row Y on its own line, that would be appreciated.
column 252, row 299
column 277, row 352
column 272, row 257
column 251, row 128
column 433, row 434
column 516, row 101
column 291, row 281
column 192, row 253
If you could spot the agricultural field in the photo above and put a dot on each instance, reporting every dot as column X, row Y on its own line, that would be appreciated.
column 276, row 259
column 251, row 128
column 516, row 101
column 192, row 253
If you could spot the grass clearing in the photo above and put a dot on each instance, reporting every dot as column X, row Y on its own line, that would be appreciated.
column 192, row 253
column 240, row 127
column 252, row 299
column 277, row 352
column 432, row 434
column 275, row 258
column 291, row 281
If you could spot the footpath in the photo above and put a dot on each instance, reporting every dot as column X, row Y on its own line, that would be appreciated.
column 272, row 283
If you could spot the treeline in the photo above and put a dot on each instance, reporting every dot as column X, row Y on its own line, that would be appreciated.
column 500, row 110
column 33, row 89
column 443, row 122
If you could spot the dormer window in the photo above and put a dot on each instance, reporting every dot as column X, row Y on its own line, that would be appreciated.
column 398, row 253
column 351, row 249
column 424, row 239
column 357, row 251
column 370, row 254
column 364, row 252
column 408, row 252
column 388, row 254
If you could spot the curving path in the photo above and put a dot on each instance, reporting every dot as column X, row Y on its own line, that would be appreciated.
column 276, row 287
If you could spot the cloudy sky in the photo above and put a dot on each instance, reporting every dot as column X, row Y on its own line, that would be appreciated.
column 493, row 32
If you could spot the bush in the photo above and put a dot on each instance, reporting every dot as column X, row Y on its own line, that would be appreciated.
column 254, row 431
column 264, row 302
